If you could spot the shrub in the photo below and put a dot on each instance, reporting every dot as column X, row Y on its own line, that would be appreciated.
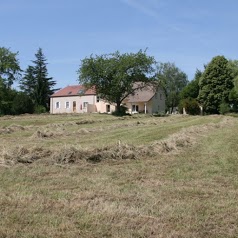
column 39, row 109
column 121, row 112
column 224, row 108
column 191, row 106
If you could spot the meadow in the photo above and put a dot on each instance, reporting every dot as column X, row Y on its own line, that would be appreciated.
column 97, row 175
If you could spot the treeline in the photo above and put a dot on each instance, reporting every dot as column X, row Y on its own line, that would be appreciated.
column 35, row 85
column 214, row 89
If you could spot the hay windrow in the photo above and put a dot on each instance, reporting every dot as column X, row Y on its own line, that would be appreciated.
column 44, row 134
column 120, row 151
column 24, row 155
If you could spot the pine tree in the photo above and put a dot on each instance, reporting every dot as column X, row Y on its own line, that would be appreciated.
column 36, row 82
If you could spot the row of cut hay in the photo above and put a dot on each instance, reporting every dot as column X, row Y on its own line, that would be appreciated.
column 173, row 144
column 12, row 128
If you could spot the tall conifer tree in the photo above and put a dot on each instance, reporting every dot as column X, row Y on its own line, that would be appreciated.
column 36, row 82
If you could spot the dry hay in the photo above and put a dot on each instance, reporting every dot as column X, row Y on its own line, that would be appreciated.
column 24, row 155
column 173, row 144
column 6, row 131
column 82, row 122
column 83, row 131
column 44, row 134
column 12, row 128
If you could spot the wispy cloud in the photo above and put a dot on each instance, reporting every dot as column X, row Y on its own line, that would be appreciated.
column 143, row 7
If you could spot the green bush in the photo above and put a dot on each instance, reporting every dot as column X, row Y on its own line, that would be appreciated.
column 224, row 108
column 191, row 106
column 121, row 112
column 39, row 109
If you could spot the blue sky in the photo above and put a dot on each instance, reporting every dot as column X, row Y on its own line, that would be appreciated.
column 186, row 32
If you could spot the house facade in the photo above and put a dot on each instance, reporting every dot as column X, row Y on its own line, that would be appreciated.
column 76, row 99
column 146, row 100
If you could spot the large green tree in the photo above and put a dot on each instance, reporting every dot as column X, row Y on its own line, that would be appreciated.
column 36, row 83
column 233, row 96
column 191, row 90
column 9, row 72
column 114, row 75
column 9, row 66
column 215, row 84
column 173, row 80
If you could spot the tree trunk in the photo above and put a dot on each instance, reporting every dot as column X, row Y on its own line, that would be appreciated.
column 118, row 107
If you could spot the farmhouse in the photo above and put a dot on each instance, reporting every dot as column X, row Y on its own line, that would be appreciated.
column 77, row 99
column 146, row 100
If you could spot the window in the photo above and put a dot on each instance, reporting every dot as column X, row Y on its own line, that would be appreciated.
column 160, row 96
column 98, row 98
column 108, row 108
column 57, row 105
column 85, row 104
column 66, row 104
column 135, row 108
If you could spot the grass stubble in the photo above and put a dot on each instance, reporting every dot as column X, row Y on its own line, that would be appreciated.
column 182, row 182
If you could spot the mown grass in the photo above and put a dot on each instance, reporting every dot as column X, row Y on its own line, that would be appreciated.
column 190, row 193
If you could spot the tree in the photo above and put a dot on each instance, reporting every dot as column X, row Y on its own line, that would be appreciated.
column 190, row 105
column 36, row 83
column 233, row 96
column 114, row 75
column 191, row 90
column 215, row 84
column 6, row 98
column 9, row 66
column 173, row 80
column 22, row 103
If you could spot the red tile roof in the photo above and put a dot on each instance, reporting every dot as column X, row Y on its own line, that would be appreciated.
column 74, row 90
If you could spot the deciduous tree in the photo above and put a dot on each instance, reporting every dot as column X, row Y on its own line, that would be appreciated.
column 113, row 75
column 173, row 80
column 9, row 66
column 215, row 84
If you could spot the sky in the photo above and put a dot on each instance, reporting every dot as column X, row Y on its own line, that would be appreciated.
column 188, row 33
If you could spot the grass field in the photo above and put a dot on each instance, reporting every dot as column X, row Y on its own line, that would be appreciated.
column 103, row 176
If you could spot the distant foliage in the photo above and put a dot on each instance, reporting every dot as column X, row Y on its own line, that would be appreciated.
column 190, row 105
column 39, row 109
column 215, row 84
column 172, row 80
column 36, row 83
column 224, row 108
column 9, row 66
column 191, row 90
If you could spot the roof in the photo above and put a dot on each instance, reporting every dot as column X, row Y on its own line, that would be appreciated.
column 75, row 90
column 142, row 95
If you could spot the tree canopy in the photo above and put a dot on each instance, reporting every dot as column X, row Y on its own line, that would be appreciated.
column 36, row 83
column 173, row 80
column 9, row 66
column 191, row 90
column 114, row 75
column 215, row 84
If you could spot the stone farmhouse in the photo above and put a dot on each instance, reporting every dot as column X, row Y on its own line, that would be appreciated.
column 77, row 99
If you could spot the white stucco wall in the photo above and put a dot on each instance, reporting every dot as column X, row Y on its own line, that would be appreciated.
column 155, row 105
column 80, row 101
column 158, row 102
